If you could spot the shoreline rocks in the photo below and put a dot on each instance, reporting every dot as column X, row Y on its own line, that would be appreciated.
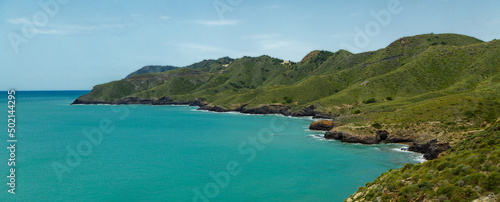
column 139, row 101
column 322, row 125
column 350, row 138
column 430, row 149
column 263, row 109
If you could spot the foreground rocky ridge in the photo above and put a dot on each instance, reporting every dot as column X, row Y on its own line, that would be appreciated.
column 468, row 172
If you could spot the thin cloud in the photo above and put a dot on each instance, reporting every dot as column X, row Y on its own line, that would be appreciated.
column 79, row 29
column 274, row 42
column 216, row 22
column 22, row 20
column 272, row 7
column 261, row 36
column 165, row 17
column 336, row 36
column 306, row 17
column 54, row 31
column 279, row 44
column 198, row 47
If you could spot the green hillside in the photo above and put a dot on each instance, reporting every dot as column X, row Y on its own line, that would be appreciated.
column 425, row 78
column 445, row 72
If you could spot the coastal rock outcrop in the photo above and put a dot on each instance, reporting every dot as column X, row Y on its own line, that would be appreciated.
column 261, row 109
column 350, row 138
column 213, row 108
column 132, row 100
column 311, row 111
column 308, row 111
column 323, row 125
column 431, row 149
column 268, row 109
column 381, row 135
column 136, row 100
column 81, row 102
column 399, row 138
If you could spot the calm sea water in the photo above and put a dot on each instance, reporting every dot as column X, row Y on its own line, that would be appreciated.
column 175, row 153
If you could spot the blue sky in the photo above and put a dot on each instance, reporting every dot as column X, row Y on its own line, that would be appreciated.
column 74, row 45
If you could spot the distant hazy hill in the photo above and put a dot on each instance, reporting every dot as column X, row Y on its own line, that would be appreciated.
column 151, row 69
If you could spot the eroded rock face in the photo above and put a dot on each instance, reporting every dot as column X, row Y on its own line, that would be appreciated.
column 82, row 102
column 334, row 135
column 132, row 100
column 213, row 108
column 381, row 135
column 308, row 111
column 350, row 138
column 431, row 149
column 268, row 109
column 323, row 125
column 136, row 100
column 395, row 138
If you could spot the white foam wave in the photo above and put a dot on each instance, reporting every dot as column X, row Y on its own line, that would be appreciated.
column 402, row 149
column 420, row 159
column 315, row 136
column 319, row 137
column 416, row 156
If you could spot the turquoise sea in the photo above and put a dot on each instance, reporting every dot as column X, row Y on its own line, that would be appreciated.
column 175, row 153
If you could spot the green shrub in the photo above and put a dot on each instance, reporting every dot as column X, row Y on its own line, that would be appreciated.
column 377, row 125
column 408, row 190
column 429, row 176
column 448, row 190
column 425, row 185
column 371, row 100
column 389, row 98
column 471, row 194
column 474, row 179
column 370, row 196
column 493, row 181
column 391, row 186
column 357, row 111
column 288, row 99
column 385, row 197
column 468, row 114
column 442, row 165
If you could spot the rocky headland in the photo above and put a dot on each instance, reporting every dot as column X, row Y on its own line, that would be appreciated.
column 431, row 148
